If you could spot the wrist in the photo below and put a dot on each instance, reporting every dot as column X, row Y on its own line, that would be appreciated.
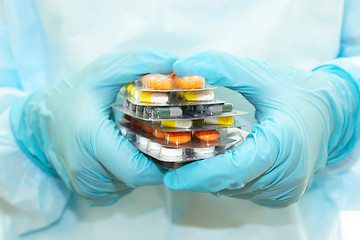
column 333, row 69
column 344, row 105
column 25, row 126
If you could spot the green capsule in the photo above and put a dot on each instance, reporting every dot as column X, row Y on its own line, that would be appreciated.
column 218, row 109
column 167, row 112
column 140, row 110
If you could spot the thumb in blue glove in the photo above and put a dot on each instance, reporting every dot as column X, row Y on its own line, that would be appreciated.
column 306, row 120
column 66, row 129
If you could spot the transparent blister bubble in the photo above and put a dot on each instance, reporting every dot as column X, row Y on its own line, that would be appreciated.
column 176, row 155
column 190, row 112
column 156, row 82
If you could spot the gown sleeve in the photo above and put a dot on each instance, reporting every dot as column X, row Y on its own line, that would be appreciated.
column 30, row 199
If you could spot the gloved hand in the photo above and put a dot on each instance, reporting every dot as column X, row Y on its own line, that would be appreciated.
column 66, row 129
column 306, row 120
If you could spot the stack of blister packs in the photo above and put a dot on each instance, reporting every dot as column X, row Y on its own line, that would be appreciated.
column 175, row 120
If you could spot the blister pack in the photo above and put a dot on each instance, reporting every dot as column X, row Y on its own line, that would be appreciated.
column 190, row 139
column 163, row 89
column 172, row 150
column 191, row 112
column 148, row 98
column 180, row 125
column 158, row 82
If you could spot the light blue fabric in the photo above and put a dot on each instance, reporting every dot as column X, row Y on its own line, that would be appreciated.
column 65, row 129
column 306, row 120
column 350, row 33
column 8, row 73
column 29, row 54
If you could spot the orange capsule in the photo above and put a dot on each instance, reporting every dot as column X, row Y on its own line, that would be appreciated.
column 147, row 128
column 191, row 82
column 207, row 135
column 158, row 133
column 158, row 82
column 137, row 123
column 127, row 117
column 178, row 137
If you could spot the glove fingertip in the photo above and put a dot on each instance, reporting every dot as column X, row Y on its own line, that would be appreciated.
column 145, row 170
column 171, row 180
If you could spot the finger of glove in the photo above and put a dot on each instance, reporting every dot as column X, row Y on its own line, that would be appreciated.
column 121, row 158
column 108, row 199
column 276, row 189
column 249, row 77
column 93, row 181
column 231, row 170
column 110, row 72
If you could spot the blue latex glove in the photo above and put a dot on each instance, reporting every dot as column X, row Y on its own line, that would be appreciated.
column 306, row 120
column 66, row 129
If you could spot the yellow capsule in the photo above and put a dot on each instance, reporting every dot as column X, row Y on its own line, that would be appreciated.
column 129, row 87
column 228, row 120
column 152, row 97
column 133, row 90
column 177, row 123
column 206, row 95
column 169, row 123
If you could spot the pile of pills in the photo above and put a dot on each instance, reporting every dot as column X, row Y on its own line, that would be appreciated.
column 176, row 120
